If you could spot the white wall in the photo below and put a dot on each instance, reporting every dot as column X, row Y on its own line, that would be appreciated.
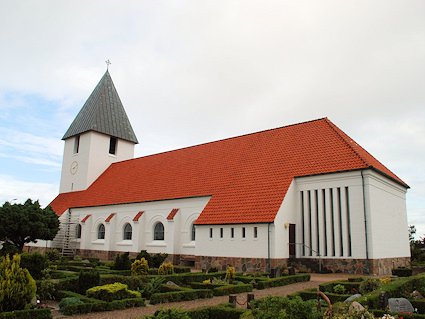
column 177, row 232
column 387, row 217
column 93, row 159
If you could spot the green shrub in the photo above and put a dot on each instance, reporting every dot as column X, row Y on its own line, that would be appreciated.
column 35, row 263
column 87, row 279
column 232, row 289
column 122, row 262
column 166, row 269
column 180, row 296
column 68, row 301
column 369, row 285
column 402, row 272
column 132, row 282
column 158, row 260
column 140, row 267
column 173, row 312
column 230, row 274
column 147, row 256
column 45, row 287
column 104, row 306
column 17, row 287
column 215, row 312
column 43, row 313
column 282, row 281
column 53, row 255
column 116, row 291
column 339, row 289
column 151, row 287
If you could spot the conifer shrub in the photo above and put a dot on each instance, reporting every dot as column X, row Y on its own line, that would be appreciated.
column 17, row 287
column 116, row 291
column 158, row 260
column 87, row 279
column 166, row 269
column 35, row 263
column 140, row 267
column 69, row 301
column 53, row 255
column 230, row 274
column 147, row 256
column 122, row 262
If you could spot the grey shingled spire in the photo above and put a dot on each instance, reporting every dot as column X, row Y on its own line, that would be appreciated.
column 103, row 112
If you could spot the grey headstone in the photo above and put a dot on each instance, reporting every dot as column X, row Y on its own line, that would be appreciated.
column 400, row 305
column 383, row 300
column 170, row 283
column 85, row 261
column 275, row 272
column 351, row 298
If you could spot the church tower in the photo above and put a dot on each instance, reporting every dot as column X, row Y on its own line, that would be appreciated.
column 100, row 135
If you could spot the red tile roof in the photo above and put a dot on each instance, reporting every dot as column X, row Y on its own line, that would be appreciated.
column 172, row 214
column 247, row 177
column 137, row 217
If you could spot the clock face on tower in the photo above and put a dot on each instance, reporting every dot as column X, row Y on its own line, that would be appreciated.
column 74, row 167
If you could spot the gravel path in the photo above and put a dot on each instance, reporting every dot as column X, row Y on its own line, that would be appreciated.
column 131, row 313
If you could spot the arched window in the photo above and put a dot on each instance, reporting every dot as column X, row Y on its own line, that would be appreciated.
column 193, row 232
column 101, row 232
column 128, row 230
column 158, row 233
column 79, row 231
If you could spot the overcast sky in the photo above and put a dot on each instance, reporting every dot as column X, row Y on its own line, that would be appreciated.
column 190, row 72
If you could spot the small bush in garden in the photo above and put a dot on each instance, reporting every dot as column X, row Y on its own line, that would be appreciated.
column 140, row 267
column 230, row 274
column 77, row 258
column 147, row 256
column 170, row 313
column 35, row 263
column 385, row 281
column 116, row 291
column 17, row 287
column 339, row 289
column 68, row 301
column 53, row 255
column 152, row 287
column 122, row 262
column 213, row 269
column 45, row 287
column 369, row 285
column 87, row 279
column 166, row 269
column 158, row 260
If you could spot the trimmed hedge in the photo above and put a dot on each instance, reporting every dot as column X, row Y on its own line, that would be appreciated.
column 27, row 314
column 104, row 306
column 380, row 313
column 187, row 278
column 116, row 291
column 232, row 289
column 349, row 286
column 181, row 269
column 312, row 294
column 282, row 281
column 402, row 272
column 201, row 285
column 133, row 282
column 180, row 296
column 216, row 312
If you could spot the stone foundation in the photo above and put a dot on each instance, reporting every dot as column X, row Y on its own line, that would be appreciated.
column 382, row 266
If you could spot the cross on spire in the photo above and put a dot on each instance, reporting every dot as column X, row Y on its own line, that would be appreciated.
column 107, row 64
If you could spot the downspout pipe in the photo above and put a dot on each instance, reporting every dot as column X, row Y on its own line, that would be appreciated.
column 365, row 223
column 268, row 248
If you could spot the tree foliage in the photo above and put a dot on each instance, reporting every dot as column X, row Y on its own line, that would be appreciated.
column 24, row 223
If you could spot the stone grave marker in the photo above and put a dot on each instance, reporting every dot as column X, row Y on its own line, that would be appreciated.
column 383, row 300
column 351, row 298
column 291, row 271
column 400, row 305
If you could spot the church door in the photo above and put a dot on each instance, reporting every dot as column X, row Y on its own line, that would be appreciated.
column 291, row 240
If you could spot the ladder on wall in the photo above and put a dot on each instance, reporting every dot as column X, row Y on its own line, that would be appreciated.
column 65, row 240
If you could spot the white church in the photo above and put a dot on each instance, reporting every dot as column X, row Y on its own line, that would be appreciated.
column 303, row 192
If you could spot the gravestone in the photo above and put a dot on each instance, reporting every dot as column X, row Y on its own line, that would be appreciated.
column 276, row 272
column 357, row 306
column 383, row 300
column 351, row 298
column 291, row 271
column 400, row 305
